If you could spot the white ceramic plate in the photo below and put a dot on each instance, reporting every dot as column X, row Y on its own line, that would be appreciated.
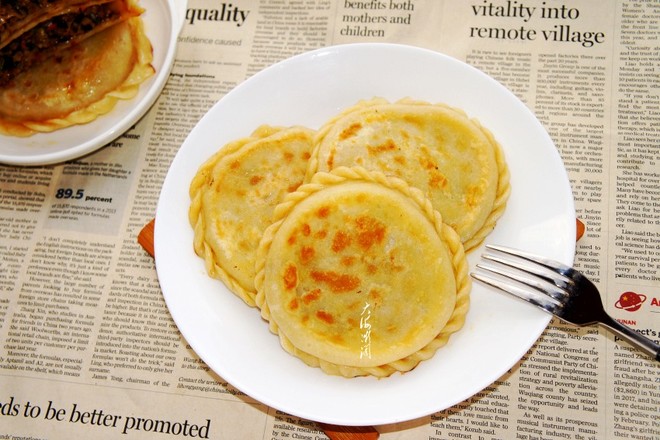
column 308, row 89
column 162, row 21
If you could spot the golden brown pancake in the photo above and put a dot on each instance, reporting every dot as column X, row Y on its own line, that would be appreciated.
column 358, row 275
column 454, row 160
column 74, row 82
column 233, row 196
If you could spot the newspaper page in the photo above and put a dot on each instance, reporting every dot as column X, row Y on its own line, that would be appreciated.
column 88, row 345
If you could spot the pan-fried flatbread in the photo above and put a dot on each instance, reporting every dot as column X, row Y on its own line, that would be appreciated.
column 233, row 196
column 455, row 161
column 56, row 85
column 358, row 275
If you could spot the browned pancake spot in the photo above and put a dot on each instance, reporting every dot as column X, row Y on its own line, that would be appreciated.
column 294, row 186
column 323, row 212
column 306, row 254
column 389, row 145
column 325, row 316
column 437, row 180
column 290, row 277
column 293, row 304
column 311, row 296
column 370, row 231
column 350, row 131
column 337, row 282
column 347, row 261
column 340, row 241
column 330, row 161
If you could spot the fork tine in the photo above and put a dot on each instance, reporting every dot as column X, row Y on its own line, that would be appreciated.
column 527, row 277
column 554, row 266
column 551, row 271
column 554, row 284
column 545, row 302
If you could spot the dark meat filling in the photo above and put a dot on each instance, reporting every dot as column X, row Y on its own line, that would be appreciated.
column 16, row 10
column 34, row 46
column 21, row 8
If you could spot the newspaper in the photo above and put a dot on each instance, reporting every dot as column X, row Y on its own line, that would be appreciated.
column 88, row 348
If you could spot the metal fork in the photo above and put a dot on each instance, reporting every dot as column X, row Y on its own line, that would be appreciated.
column 555, row 288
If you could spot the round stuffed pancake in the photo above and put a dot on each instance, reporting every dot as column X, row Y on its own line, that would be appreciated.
column 233, row 196
column 358, row 275
column 455, row 161
column 85, row 58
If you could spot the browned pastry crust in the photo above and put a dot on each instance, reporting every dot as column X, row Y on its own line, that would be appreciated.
column 33, row 31
column 69, row 62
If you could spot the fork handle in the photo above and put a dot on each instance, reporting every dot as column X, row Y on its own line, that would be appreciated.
column 635, row 338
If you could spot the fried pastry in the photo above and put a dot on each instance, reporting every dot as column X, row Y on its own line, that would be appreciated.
column 233, row 196
column 67, row 62
column 454, row 160
column 358, row 274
